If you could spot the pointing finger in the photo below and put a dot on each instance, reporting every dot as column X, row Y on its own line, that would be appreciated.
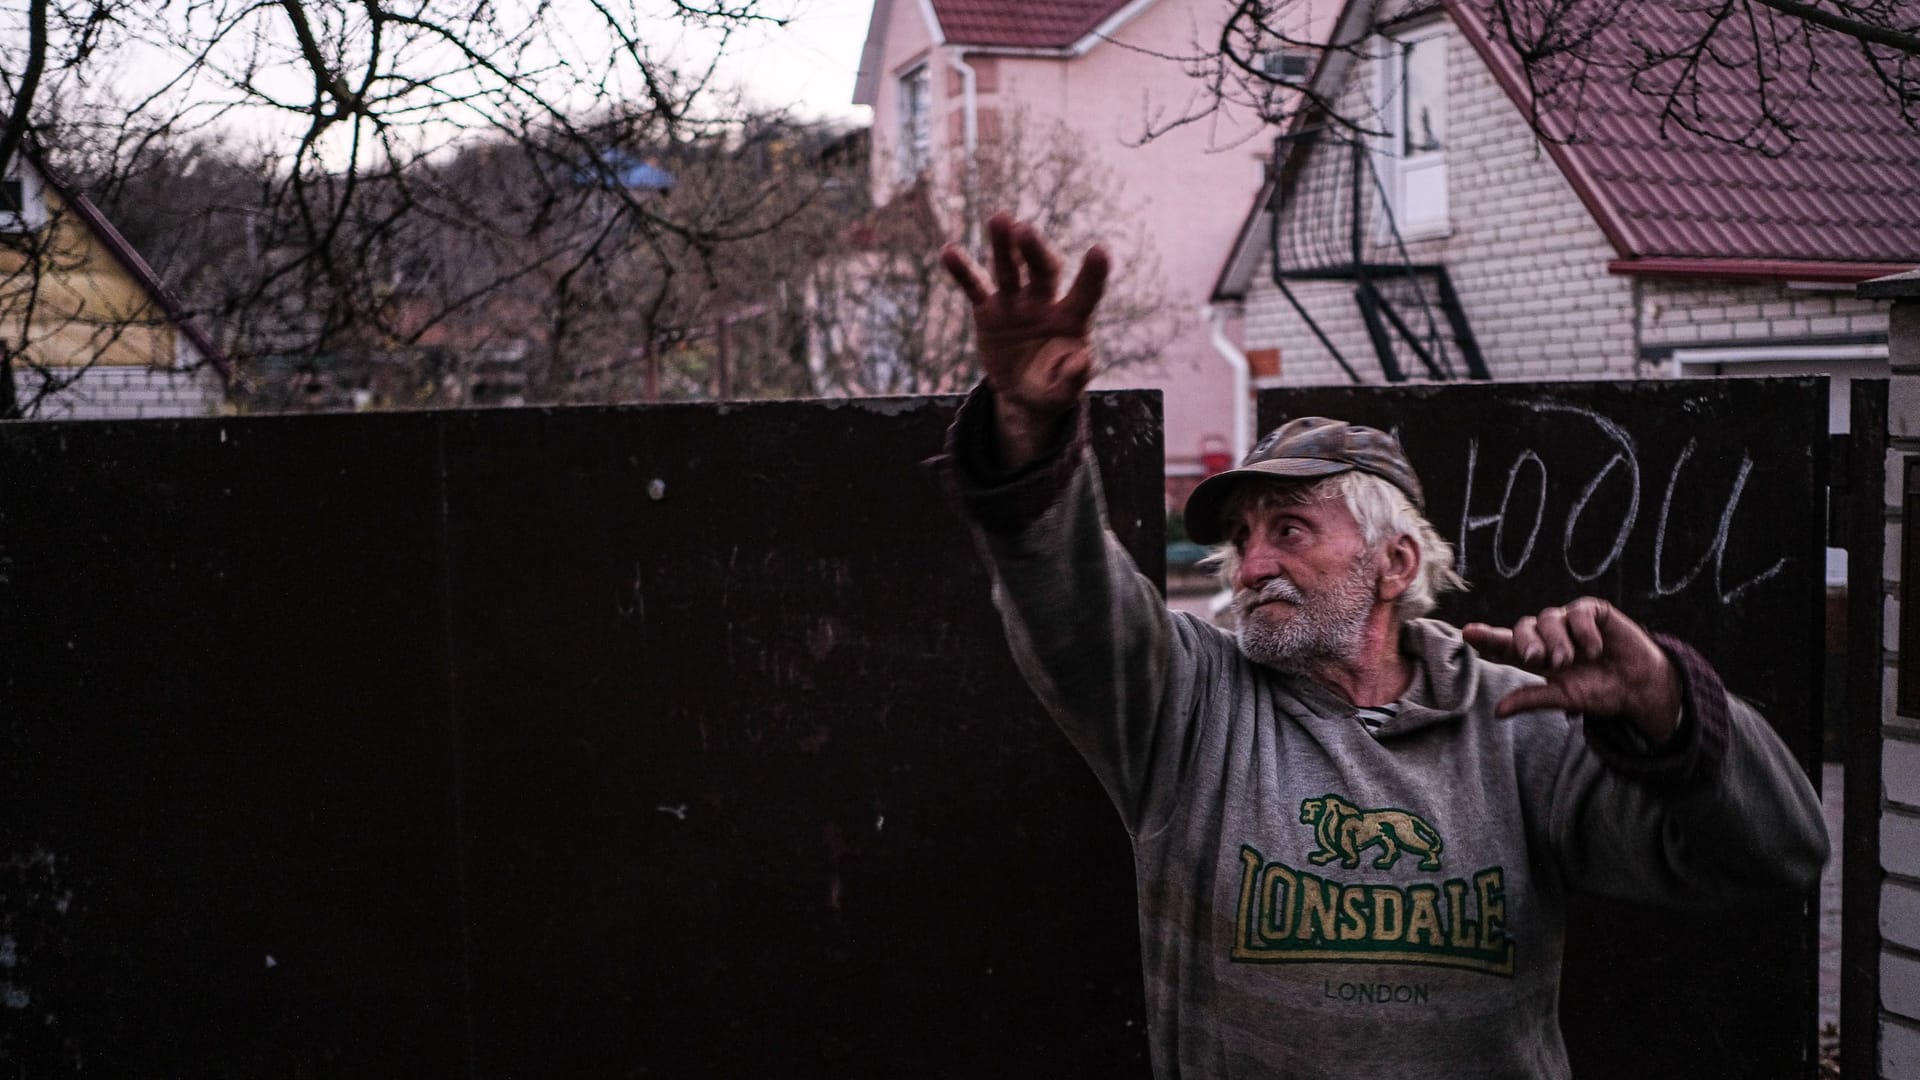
column 965, row 273
column 1530, row 698
column 1493, row 642
column 1089, row 285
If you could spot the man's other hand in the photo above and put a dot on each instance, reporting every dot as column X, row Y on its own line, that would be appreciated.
column 1596, row 661
column 1034, row 344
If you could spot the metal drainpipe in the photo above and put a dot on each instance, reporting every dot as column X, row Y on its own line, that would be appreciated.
column 1242, row 379
column 970, row 144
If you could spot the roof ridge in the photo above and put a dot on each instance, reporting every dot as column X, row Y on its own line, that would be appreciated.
column 1034, row 24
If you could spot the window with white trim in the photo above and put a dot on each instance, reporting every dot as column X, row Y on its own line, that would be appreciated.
column 916, row 122
column 23, row 201
column 1413, row 96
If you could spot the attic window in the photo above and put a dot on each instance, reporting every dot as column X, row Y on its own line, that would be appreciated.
column 23, row 208
column 1287, row 64
column 1413, row 107
column 1423, row 98
column 916, row 122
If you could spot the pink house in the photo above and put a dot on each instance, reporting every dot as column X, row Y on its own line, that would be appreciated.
column 943, row 76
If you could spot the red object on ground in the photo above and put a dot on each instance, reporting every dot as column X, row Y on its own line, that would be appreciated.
column 1215, row 455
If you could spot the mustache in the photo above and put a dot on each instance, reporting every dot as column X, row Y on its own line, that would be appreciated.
column 1278, row 588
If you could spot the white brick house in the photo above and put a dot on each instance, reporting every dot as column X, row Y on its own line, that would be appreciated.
column 1623, row 253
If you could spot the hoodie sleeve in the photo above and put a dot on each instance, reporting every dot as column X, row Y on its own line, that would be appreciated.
column 1724, row 813
column 1091, row 634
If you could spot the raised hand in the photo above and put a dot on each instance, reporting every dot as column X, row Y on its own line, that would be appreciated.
column 1596, row 661
column 1034, row 344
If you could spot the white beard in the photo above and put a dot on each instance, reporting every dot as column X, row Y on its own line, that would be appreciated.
column 1320, row 627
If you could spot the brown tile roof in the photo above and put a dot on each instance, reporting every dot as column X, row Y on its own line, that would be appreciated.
column 1032, row 24
column 1846, row 193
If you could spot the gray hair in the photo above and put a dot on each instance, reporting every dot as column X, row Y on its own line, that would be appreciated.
column 1381, row 511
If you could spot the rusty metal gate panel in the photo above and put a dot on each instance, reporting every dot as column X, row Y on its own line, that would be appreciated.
column 668, row 741
column 1698, row 507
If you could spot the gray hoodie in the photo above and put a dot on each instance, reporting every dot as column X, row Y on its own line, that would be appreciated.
column 1324, row 893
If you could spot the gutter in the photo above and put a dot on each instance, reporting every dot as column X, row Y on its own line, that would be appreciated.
column 1242, row 377
column 1755, row 269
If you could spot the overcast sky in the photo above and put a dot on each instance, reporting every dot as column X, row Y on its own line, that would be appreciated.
column 809, row 64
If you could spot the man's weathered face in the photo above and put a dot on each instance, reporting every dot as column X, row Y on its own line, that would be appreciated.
column 1306, row 583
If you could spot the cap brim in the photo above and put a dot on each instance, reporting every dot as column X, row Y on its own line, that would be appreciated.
column 1204, row 505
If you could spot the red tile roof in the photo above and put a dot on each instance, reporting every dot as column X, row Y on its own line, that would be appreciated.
column 1847, row 192
column 1032, row 24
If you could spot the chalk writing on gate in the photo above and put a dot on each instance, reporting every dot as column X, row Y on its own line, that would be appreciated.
column 1524, row 502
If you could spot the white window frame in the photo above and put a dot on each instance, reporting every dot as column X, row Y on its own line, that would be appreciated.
column 1415, row 184
column 32, row 215
column 916, row 121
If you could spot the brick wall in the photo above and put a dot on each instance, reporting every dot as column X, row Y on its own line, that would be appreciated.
column 1530, row 265
column 1900, row 752
column 1528, row 261
column 1677, row 312
column 105, row 392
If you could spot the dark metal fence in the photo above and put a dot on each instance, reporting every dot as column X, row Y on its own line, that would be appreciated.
column 679, row 741
column 672, row 741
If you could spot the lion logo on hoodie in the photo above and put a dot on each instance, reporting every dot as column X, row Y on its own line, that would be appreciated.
column 1344, row 830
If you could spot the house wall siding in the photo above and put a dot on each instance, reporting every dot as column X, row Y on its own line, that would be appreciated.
column 1900, row 749
column 80, row 305
column 105, row 392
column 1684, row 312
column 909, row 40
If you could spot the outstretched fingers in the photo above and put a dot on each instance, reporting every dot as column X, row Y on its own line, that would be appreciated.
column 1006, row 269
column 1529, row 698
column 1089, row 285
column 1493, row 642
column 965, row 273
column 1043, row 266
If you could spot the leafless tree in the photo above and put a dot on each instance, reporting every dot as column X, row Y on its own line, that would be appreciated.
column 351, row 112
column 1747, row 72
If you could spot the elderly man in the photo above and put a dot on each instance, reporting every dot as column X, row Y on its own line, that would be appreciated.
column 1354, row 829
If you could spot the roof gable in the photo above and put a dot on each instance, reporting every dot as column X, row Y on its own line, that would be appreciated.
column 1030, row 24
column 1833, row 206
column 130, row 260
column 1066, row 27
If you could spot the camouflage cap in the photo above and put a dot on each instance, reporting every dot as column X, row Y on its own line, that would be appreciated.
column 1304, row 449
